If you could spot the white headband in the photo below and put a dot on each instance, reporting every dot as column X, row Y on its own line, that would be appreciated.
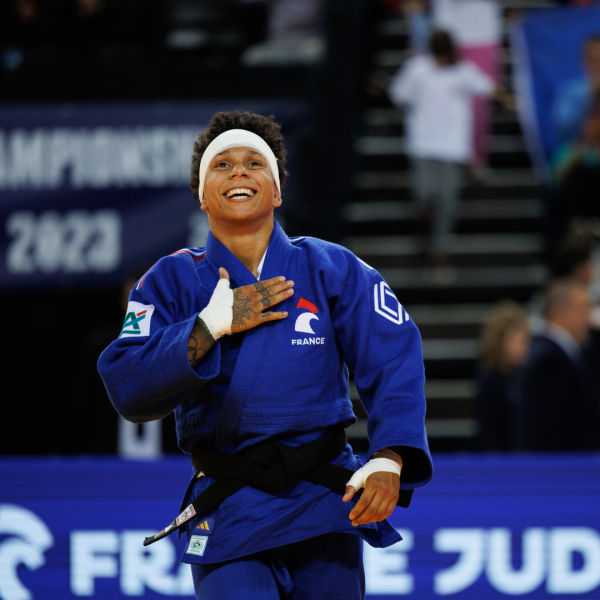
column 235, row 138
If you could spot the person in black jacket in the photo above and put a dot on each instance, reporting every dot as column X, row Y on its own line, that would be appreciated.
column 505, row 342
column 559, row 400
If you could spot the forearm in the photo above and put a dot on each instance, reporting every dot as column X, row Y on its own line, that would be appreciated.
column 199, row 343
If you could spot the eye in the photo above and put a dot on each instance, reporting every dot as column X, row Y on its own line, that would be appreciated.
column 255, row 163
column 221, row 164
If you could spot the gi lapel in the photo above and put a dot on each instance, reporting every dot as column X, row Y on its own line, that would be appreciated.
column 247, row 362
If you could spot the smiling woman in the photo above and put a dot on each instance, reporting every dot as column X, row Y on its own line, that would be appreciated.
column 262, row 410
column 264, row 127
column 238, row 185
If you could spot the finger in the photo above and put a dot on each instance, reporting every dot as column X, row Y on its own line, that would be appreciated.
column 349, row 493
column 362, row 504
column 376, row 492
column 370, row 513
column 389, row 498
column 383, row 510
column 223, row 274
column 389, row 509
column 261, row 285
column 275, row 289
column 277, row 298
column 273, row 316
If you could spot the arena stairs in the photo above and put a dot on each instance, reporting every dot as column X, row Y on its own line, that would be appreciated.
column 497, row 249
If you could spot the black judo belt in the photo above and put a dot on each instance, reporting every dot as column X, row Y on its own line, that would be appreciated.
column 270, row 467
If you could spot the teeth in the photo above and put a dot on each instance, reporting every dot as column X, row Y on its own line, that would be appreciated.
column 240, row 192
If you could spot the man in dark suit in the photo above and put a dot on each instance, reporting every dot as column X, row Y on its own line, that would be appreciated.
column 559, row 406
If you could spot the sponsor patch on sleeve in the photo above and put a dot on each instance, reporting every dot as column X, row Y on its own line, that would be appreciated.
column 137, row 320
column 197, row 545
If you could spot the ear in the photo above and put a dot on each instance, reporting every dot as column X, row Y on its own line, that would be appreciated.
column 277, row 198
column 203, row 204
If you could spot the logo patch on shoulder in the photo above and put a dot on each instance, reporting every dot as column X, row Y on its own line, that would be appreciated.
column 387, row 305
column 137, row 320
column 197, row 545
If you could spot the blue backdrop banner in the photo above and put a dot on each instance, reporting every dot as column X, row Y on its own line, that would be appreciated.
column 485, row 528
column 90, row 193
column 549, row 75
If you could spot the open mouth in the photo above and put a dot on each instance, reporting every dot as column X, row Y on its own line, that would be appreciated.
column 240, row 193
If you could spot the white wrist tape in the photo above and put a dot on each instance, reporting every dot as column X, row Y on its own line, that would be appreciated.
column 218, row 315
column 359, row 478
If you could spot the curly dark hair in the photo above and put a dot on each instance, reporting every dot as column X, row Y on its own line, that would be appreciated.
column 265, row 127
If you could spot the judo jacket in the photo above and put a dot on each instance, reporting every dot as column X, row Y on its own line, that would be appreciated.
column 284, row 381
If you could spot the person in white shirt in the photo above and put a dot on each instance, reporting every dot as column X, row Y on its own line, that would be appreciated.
column 476, row 27
column 437, row 91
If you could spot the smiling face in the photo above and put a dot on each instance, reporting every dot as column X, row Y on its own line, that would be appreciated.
column 239, row 188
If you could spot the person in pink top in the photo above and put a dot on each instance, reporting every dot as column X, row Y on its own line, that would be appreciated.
column 436, row 91
column 476, row 27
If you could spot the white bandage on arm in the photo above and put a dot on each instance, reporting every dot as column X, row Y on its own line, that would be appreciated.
column 218, row 315
column 375, row 465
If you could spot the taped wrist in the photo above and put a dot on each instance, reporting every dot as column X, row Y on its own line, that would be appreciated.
column 375, row 465
column 218, row 315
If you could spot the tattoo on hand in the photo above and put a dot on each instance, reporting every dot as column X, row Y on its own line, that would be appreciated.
column 266, row 302
column 259, row 286
column 242, row 309
column 200, row 342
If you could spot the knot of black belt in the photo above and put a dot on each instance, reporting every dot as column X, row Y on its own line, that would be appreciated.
column 270, row 467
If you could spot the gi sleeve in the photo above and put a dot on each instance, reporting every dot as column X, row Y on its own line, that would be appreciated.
column 146, row 371
column 382, row 346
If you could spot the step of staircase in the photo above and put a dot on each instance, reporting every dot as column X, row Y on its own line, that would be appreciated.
column 481, row 209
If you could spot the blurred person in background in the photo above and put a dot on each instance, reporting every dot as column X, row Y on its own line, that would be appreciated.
column 296, row 34
column 505, row 343
column 558, row 395
column 476, row 27
column 575, row 98
column 576, row 173
column 577, row 260
column 437, row 91
column 418, row 15
column 572, row 259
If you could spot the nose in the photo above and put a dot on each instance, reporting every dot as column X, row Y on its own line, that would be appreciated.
column 238, row 170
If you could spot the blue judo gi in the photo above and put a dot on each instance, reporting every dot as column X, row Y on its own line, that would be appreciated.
column 284, row 381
